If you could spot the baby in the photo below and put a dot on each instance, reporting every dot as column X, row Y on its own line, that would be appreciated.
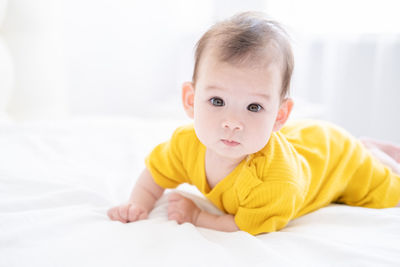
column 238, row 152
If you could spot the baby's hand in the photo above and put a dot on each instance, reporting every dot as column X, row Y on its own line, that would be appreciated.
column 129, row 212
column 182, row 209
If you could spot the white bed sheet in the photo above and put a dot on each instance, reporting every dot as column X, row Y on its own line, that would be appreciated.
column 57, row 180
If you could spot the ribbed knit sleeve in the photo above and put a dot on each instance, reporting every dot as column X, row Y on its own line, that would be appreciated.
column 165, row 161
column 268, row 207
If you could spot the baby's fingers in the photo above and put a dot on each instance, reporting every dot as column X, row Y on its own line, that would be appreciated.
column 136, row 213
column 127, row 213
column 114, row 214
column 124, row 212
column 175, row 216
column 174, row 213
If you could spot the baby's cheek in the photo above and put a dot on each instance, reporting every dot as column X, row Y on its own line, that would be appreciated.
column 204, row 122
column 201, row 132
column 256, row 146
column 259, row 139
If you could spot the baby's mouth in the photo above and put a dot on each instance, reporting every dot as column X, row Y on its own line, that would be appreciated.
column 230, row 142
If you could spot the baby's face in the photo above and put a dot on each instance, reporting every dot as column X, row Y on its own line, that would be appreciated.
column 235, row 107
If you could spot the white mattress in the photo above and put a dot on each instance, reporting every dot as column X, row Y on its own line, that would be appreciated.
column 57, row 180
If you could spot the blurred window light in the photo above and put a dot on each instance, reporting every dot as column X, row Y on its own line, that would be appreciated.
column 337, row 16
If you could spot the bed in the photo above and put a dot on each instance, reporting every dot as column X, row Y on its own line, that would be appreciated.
column 58, row 178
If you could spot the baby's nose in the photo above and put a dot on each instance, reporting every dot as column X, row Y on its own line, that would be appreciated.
column 232, row 125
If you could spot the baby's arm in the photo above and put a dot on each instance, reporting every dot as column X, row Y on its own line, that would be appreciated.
column 182, row 209
column 143, row 197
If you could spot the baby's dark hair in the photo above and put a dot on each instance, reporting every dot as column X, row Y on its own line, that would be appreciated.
column 248, row 38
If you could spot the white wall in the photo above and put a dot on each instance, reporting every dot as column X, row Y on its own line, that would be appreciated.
column 355, row 78
column 130, row 57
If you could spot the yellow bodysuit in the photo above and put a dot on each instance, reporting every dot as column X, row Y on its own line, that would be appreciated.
column 305, row 166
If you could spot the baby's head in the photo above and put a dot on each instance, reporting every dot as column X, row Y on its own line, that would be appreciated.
column 248, row 39
column 241, row 79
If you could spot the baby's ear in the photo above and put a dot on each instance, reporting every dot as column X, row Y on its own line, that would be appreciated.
column 188, row 98
column 283, row 113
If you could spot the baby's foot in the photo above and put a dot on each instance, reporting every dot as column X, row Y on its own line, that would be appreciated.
column 390, row 149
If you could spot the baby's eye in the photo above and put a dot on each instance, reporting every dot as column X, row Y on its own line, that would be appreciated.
column 254, row 107
column 216, row 101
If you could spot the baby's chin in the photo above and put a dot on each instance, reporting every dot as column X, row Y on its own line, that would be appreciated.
column 233, row 157
column 234, row 154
